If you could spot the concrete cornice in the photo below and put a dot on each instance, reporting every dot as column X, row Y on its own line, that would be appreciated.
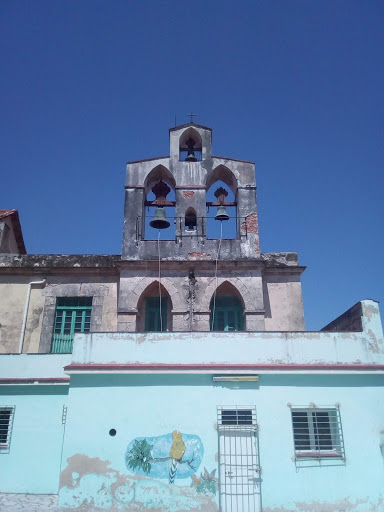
column 47, row 264
column 270, row 263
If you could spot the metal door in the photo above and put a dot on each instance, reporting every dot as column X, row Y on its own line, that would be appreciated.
column 239, row 469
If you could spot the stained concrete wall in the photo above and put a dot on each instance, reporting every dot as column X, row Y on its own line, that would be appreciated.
column 190, row 295
column 13, row 293
column 351, row 320
column 283, row 302
column 271, row 298
column 190, row 181
column 7, row 237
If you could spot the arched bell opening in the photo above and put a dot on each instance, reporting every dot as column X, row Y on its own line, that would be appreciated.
column 159, row 205
column 226, row 309
column 190, row 220
column 154, row 309
column 190, row 146
column 222, row 221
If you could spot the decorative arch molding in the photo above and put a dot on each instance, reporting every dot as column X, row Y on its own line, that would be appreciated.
column 236, row 283
column 193, row 134
column 222, row 173
column 139, row 292
column 158, row 173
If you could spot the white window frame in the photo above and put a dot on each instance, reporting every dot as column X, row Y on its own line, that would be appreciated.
column 334, row 434
column 6, row 429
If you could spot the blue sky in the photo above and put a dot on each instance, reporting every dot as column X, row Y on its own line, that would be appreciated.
column 296, row 86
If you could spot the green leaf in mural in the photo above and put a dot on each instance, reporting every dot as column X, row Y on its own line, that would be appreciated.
column 206, row 484
column 140, row 456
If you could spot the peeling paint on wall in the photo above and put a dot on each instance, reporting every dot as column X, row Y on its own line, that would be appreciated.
column 345, row 505
column 91, row 485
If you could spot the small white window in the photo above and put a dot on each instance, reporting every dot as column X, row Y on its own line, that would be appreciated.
column 317, row 432
column 6, row 420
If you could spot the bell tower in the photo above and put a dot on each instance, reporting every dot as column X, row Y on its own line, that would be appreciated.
column 190, row 171
column 191, row 236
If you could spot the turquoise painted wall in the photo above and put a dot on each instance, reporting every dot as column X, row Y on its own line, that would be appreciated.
column 138, row 406
column 32, row 465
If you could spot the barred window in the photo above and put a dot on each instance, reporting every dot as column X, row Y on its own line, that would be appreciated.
column 239, row 464
column 317, row 432
column 6, row 421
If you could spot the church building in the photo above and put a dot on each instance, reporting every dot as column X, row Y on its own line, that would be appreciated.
column 178, row 375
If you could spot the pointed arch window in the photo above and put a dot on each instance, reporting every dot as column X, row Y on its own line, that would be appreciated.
column 222, row 178
column 159, row 189
column 154, row 313
column 226, row 314
column 190, row 219
column 190, row 146
column 156, row 316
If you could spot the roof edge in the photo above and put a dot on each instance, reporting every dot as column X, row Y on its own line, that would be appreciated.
column 187, row 125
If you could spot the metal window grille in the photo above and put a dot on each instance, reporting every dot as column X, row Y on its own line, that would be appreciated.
column 73, row 314
column 6, row 423
column 239, row 468
column 317, row 432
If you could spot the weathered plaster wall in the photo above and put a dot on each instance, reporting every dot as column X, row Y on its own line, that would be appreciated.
column 189, row 293
column 283, row 302
column 13, row 293
column 104, row 303
column 190, row 181
column 94, row 471
column 32, row 464
column 42, row 305
column 351, row 320
column 254, row 348
column 8, row 241
column 28, row 502
column 33, row 366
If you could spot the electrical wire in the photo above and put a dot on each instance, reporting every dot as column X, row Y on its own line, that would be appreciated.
column 161, row 316
column 216, row 278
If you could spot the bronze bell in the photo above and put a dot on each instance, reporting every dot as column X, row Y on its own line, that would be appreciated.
column 221, row 213
column 159, row 221
column 191, row 156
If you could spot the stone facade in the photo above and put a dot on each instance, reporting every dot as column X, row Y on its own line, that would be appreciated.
column 193, row 267
column 135, row 416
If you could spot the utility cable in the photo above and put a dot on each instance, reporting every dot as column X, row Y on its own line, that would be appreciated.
column 216, row 278
column 161, row 316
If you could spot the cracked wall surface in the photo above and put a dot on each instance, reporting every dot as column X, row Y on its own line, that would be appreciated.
column 28, row 502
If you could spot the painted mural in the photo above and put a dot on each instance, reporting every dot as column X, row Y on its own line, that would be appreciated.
column 167, row 457
column 163, row 476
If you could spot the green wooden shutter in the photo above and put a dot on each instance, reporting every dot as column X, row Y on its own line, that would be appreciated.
column 73, row 314
column 228, row 314
column 152, row 314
